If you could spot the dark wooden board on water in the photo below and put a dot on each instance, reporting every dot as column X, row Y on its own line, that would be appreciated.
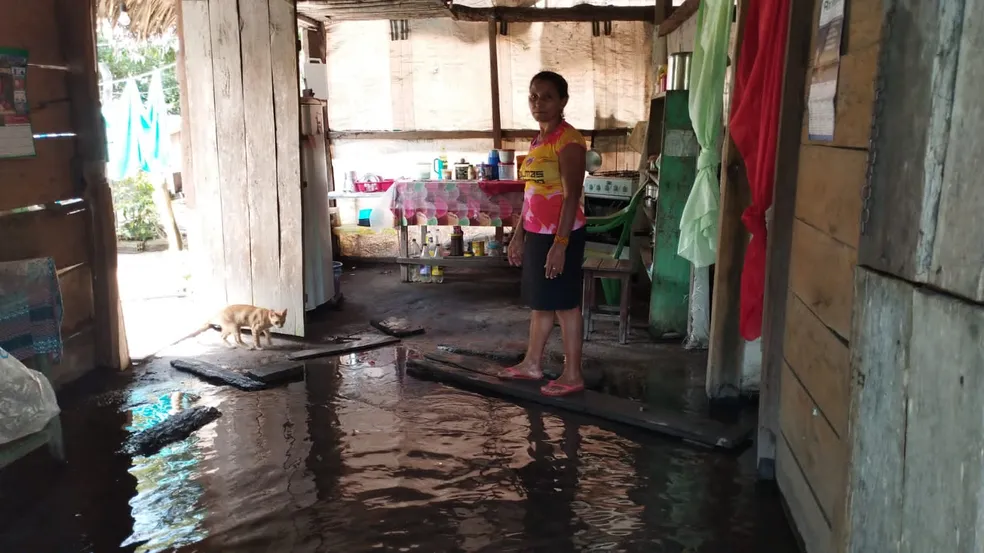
column 170, row 430
column 217, row 375
column 625, row 411
column 487, row 363
column 272, row 373
column 362, row 343
column 399, row 327
column 506, row 357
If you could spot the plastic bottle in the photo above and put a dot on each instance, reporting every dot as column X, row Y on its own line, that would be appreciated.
column 424, row 271
column 444, row 165
column 437, row 272
column 414, row 251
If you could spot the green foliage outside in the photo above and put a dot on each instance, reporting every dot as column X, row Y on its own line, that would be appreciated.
column 136, row 213
column 125, row 56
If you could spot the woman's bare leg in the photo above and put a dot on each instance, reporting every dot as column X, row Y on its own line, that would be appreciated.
column 572, row 332
column 541, row 324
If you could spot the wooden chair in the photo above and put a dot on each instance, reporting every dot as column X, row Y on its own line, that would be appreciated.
column 598, row 268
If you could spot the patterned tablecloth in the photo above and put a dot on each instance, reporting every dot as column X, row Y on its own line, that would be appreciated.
column 30, row 309
column 458, row 203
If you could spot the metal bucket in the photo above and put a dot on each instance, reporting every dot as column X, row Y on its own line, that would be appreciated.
column 678, row 75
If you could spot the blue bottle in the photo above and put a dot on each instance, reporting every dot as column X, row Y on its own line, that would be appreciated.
column 493, row 169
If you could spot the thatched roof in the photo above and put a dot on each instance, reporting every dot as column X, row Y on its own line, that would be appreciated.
column 147, row 17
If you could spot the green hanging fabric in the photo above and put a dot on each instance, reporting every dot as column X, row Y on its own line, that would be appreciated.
column 699, row 222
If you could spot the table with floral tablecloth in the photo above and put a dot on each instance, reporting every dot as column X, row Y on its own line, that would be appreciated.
column 457, row 203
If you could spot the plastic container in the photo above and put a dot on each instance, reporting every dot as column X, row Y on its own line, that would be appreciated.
column 337, row 266
column 372, row 186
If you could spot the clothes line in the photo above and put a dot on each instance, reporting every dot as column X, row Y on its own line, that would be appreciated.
column 140, row 76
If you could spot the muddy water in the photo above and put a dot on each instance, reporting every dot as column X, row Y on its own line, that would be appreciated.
column 360, row 457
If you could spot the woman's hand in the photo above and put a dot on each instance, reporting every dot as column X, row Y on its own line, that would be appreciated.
column 555, row 260
column 515, row 250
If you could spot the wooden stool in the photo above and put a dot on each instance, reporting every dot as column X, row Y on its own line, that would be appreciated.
column 595, row 268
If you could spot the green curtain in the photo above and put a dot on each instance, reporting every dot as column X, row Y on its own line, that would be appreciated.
column 699, row 222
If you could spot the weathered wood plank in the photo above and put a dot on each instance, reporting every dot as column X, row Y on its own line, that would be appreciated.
column 780, row 231
column 77, row 27
column 230, row 126
column 882, row 328
column 818, row 451
column 39, row 180
column 862, row 26
column 494, row 79
column 958, row 258
column 173, row 429
column 821, row 362
column 201, row 104
column 283, row 54
column 369, row 341
column 272, row 373
column 217, row 375
column 828, row 191
column 821, row 273
column 261, row 166
column 944, row 442
column 919, row 57
column 854, row 104
column 726, row 345
column 806, row 513
column 671, row 423
column 76, row 292
column 47, row 233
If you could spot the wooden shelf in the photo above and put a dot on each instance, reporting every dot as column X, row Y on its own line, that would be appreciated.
column 484, row 261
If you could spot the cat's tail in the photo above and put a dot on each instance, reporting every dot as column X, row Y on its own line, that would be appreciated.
column 194, row 333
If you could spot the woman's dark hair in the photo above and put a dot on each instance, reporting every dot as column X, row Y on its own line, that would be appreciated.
column 555, row 79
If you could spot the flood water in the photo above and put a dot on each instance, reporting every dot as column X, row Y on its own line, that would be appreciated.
column 361, row 457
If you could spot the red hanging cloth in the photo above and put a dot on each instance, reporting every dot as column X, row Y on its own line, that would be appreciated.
column 755, row 129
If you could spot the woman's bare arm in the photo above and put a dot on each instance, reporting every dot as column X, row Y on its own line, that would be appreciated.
column 572, row 176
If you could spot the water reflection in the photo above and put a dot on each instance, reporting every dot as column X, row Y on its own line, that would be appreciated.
column 360, row 457
column 166, row 510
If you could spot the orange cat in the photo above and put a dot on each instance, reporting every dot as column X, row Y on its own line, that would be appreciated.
column 258, row 320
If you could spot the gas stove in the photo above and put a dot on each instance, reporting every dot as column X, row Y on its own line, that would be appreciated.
column 619, row 185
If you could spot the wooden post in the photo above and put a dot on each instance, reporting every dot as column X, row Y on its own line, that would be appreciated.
column 781, row 230
column 76, row 21
column 724, row 357
column 494, row 77
column 187, row 170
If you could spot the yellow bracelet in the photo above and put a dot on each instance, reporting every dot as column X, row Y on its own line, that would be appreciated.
column 561, row 240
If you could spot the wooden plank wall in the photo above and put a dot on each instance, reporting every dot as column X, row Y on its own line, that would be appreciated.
column 811, row 452
column 60, row 232
column 917, row 422
column 241, row 64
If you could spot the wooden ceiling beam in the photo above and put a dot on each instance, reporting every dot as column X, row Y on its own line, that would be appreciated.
column 680, row 15
column 347, row 10
column 582, row 12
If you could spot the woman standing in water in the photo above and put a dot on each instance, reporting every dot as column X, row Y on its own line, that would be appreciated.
column 549, row 244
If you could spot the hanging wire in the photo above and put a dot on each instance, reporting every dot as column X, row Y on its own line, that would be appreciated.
column 140, row 76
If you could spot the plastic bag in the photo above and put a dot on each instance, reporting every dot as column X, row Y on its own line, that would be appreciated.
column 27, row 400
column 382, row 217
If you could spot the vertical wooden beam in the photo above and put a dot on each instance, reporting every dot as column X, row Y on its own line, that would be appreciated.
column 494, row 77
column 76, row 21
column 724, row 357
column 187, row 168
column 286, row 102
column 781, row 229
